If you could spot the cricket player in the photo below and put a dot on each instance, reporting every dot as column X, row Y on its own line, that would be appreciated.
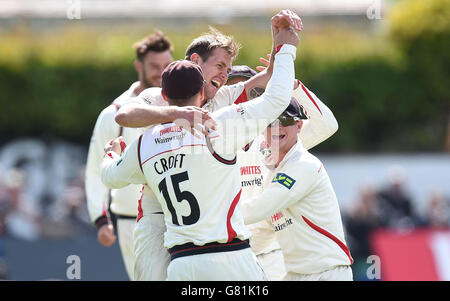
column 201, row 219
column 321, row 124
column 214, row 52
column 217, row 50
column 153, row 54
column 300, row 201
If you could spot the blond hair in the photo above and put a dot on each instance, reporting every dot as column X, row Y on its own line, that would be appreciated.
column 206, row 43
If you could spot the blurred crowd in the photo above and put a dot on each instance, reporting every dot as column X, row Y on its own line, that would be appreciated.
column 65, row 217
column 389, row 206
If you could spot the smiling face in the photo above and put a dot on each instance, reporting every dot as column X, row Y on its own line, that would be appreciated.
column 215, row 70
column 281, row 139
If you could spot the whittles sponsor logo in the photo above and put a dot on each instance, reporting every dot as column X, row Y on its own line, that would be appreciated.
column 172, row 129
column 250, row 170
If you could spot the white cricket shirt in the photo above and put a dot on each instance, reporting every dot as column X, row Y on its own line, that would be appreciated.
column 301, row 203
column 123, row 201
column 196, row 180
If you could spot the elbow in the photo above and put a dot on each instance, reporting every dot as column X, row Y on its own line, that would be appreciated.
column 334, row 126
column 121, row 119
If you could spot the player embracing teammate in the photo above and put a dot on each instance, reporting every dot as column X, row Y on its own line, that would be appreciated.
column 198, row 195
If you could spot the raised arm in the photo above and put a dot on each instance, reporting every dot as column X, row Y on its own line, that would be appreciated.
column 239, row 124
column 321, row 123
column 256, row 85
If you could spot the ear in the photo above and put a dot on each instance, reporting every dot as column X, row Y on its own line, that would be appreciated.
column 299, row 126
column 202, row 93
column 196, row 58
column 138, row 66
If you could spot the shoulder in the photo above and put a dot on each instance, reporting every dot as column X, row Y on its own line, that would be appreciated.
column 151, row 96
column 107, row 114
column 229, row 94
column 126, row 96
column 302, row 163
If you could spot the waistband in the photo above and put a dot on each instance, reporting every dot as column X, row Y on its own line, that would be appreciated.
column 125, row 216
column 189, row 248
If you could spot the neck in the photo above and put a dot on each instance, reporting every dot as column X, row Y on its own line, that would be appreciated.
column 283, row 153
column 193, row 103
column 203, row 102
column 280, row 158
column 139, row 88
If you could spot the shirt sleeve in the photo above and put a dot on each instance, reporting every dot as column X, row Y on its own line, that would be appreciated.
column 105, row 129
column 237, row 93
column 120, row 171
column 239, row 124
column 321, row 123
column 287, row 187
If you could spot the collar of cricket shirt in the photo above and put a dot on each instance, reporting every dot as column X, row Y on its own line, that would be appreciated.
column 297, row 147
column 132, row 88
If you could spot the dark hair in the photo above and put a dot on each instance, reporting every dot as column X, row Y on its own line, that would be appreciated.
column 156, row 42
column 181, row 102
column 205, row 44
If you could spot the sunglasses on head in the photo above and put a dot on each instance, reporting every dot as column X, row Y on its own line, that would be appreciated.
column 284, row 121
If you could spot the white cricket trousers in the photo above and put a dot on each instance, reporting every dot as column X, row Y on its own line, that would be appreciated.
column 125, row 228
column 273, row 265
column 239, row 265
column 152, row 258
column 339, row 273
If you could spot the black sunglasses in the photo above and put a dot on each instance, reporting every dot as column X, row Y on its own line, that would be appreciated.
column 284, row 121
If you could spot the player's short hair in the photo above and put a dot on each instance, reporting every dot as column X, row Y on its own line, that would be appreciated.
column 156, row 42
column 206, row 43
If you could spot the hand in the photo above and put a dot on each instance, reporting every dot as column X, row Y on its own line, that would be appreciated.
column 116, row 145
column 286, row 18
column 265, row 62
column 106, row 236
column 194, row 119
column 286, row 35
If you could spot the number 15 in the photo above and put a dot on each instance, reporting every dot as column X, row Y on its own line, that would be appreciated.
column 181, row 196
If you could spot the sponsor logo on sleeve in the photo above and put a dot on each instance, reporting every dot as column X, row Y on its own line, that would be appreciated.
column 284, row 180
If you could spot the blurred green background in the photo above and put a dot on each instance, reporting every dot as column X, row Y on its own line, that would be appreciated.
column 388, row 84
column 382, row 66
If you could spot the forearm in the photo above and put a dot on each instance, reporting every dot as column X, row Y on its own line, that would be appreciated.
column 256, row 85
column 279, row 89
column 263, row 206
column 109, row 175
column 140, row 115
column 321, row 124
column 251, row 118
column 118, row 171
column 96, row 195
